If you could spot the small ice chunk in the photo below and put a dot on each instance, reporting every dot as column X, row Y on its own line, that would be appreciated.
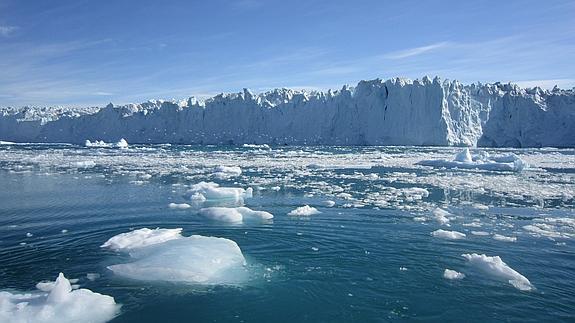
column 440, row 215
column 499, row 269
column 227, row 171
column 305, row 210
column 122, row 143
column 141, row 238
column 92, row 276
column 453, row 235
column 57, row 302
column 234, row 214
column 328, row 203
column 479, row 233
column 29, row 235
column 452, row 274
column 179, row 206
column 500, row 237
column 464, row 156
column 213, row 191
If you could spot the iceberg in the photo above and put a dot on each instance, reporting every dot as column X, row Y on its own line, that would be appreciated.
column 205, row 191
column 451, row 235
column 376, row 112
column 452, row 274
column 166, row 255
column 57, row 302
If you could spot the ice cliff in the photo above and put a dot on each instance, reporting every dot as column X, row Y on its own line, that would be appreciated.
column 392, row 112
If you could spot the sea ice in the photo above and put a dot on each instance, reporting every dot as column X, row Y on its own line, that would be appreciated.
column 122, row 143
column 500, row 237
column 452, row 235
column 57, row 302
column 223, row 172
column 180, row 206
column 213, row 191
column 141, row 238
column 193, row 259
column 234, row 214
column 440, row 216
column 452, row 274
column 305, row 210
column 499, row 269
column 464, row 160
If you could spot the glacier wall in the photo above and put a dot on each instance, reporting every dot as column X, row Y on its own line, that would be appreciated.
column 377, row 112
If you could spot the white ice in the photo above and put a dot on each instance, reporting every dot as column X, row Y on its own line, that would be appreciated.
column 452, row 235
column 464, row 160
column 496, row 267
column 500, row 237
column 223, row 172
column 195, row 259
column 305, row 210
column 57, row 303
column 179, row 206
column 234, row 214
column 213, row 191
column 452, row 274
column 141, row 238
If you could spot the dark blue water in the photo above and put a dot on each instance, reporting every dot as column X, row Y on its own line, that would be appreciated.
column 357, row 261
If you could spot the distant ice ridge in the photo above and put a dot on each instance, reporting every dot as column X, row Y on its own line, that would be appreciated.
column 57, row 302
column 166, row 255
column 392, row 112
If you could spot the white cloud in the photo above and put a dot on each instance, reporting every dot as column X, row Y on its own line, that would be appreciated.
column 415, row 51
column 7, row 30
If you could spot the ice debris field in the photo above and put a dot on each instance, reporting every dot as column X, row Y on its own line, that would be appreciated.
column 364, row 233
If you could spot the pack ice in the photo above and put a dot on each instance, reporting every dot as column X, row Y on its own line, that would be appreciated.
column 57, row 302
column 166, row 255
column 392, row 112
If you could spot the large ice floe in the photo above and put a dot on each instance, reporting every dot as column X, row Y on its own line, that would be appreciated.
column 483, row 161
column 56, row 302
column 235, row 214
column 376, row 112
column 166, row 255
column 209, row 191
column 495, row 267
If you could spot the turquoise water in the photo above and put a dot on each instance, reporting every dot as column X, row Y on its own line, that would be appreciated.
column 365, row 259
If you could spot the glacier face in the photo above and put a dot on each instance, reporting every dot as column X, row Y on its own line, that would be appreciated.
column 392, row 112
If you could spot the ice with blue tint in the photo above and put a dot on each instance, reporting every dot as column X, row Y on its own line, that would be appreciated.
column 281, row 233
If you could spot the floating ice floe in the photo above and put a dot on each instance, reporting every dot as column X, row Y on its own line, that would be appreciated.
column 141, row 238
column 464, row 160
column 452, row 274
column 500, row 237
column 553, row 228
column 440, row 215
column 179, row 206
column 305, row 210
column 223, row 172
column 195, row 259
column 328, row 203
column 212, row 191
column 263, row 146
column 452, row 235
column 234, row 214
column 57, row 302
column 499, row 269
column 102, row 144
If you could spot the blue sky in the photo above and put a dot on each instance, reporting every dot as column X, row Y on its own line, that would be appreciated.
column 78, row 52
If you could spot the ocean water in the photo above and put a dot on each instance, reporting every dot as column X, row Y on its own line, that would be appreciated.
column 371, row 257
